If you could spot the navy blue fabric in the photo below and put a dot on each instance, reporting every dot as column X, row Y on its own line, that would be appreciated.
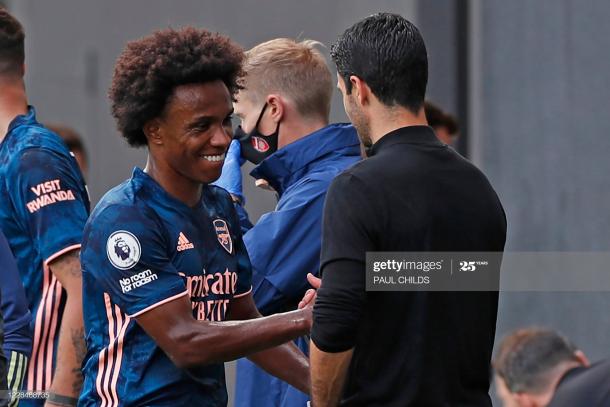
column 285, row 244
column 14, row 305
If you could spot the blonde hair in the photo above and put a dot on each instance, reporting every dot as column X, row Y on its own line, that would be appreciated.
column 295, row 70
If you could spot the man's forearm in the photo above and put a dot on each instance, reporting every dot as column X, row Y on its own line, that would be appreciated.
column 71, row 350
column 287, row 363
column 235, row 339
column 328, row 373
column 189, row 342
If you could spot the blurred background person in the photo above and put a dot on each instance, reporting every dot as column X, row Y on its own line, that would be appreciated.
column 284, row 109
column 14, row 309
column 444, row 124
column 75, row 144
column 537, row 367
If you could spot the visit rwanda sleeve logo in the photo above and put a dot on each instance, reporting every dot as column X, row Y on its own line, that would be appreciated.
column 48, row 193
column 224, row 237
column 123, row 249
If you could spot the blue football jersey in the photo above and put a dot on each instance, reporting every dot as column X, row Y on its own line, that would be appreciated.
column 141, row 249
column 44, row 205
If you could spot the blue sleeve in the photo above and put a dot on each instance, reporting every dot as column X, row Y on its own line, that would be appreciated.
column 14, row 305
column 127, row 253
column 51, row 200
column 284, row 246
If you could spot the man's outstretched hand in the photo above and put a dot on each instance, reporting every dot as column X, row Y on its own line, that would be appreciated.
column 310, row 295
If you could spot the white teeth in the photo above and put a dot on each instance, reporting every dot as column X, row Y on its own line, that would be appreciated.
column 214, row 158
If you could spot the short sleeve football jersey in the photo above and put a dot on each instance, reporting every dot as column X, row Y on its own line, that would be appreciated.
column 141, row 249
column 44, row 205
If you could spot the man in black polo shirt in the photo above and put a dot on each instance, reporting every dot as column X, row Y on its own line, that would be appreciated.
column 412, row 193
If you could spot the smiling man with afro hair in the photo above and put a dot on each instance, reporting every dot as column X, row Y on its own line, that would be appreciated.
column 155, row 318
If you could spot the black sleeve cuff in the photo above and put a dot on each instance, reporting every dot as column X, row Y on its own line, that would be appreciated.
column 339, row 306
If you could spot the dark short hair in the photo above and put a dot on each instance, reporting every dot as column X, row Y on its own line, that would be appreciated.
column 148, row 70
column 12, row 50
column 438, row 118
column 527, row 356
column 388, row 53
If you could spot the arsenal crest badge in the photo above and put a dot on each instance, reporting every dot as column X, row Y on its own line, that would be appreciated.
column 260, row 144
column 224, row 237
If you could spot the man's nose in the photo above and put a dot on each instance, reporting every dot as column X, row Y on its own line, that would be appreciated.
column 221, row 137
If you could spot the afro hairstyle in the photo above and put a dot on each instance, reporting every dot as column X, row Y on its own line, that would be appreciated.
column 148, row 70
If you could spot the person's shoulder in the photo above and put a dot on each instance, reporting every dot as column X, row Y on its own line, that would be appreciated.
column 220, row 205
column 40, row 138
column 594, row 374
column 325, row 171
column 120, row 214
column 365, row 168
column 218, row 195
column 310, row 185
column 355, row 180
column 584, row 386
column 123, row 202
column 359, row 172
column 34, row 146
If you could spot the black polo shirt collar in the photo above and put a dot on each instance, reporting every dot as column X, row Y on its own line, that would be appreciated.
column 416, row 135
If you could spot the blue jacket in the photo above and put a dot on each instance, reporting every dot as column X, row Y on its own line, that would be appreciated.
column 285, row 244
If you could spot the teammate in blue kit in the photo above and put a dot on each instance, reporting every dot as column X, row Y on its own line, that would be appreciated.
column 44, row 205
column 164, row 264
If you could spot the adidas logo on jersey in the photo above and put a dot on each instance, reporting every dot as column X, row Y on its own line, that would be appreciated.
column 183, row 243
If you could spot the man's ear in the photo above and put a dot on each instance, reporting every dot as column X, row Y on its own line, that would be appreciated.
column 524, row 400
column 360, row 90
column 277, row 107
column 582, row 358
column 153, row 131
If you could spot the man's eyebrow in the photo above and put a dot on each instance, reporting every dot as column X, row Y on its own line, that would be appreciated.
column 206, row 119
column 200, row 120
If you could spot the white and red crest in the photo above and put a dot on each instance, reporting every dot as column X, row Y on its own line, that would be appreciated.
column 260, row 144
column 223, row 234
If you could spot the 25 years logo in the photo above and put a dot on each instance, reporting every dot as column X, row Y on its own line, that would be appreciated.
column 467, row 266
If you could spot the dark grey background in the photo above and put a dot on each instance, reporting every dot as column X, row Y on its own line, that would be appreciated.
column 540, row 132
column 528, row 79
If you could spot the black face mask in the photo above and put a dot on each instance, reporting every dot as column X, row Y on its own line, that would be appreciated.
column 255, row 147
